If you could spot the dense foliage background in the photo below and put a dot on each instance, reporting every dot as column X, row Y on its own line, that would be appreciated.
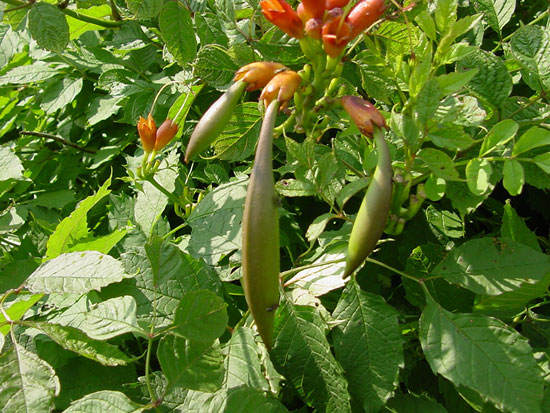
column 120, row 295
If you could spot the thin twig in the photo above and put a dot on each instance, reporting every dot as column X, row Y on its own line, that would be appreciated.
column 57, row 139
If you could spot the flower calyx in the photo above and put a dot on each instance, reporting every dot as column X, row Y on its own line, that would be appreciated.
column 363, row 114
column 282, row 87
column 258, row 74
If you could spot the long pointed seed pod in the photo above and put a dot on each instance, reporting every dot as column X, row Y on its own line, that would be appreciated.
column 260, row 243
column 373, row 213
column 214, row 120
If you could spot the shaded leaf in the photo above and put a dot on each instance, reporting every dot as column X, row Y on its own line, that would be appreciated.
column 491, row 266
column 104, row 401
column 302, row 354
column 73, row 339
column 27, row 383
column 76, row 272
column 484, row 355
column 194, row 365
column 368, row 345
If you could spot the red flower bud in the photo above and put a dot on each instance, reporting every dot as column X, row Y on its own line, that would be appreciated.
column 363, row 114
column 166, row 131
column 331, row 4
column 314, row 28
column 281, row 87
column 364, row 14
column 283, row 16
column 336, row 34
column 258, row 74
column 314, row 8
column 147, row 130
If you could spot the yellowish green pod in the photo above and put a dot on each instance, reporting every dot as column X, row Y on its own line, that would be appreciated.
column 260, row 232
column 214, row 120
column 373, row 213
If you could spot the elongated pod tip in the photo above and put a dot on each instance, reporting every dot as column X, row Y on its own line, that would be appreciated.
column 373, row 212
column 214, row 120
column 260, row 232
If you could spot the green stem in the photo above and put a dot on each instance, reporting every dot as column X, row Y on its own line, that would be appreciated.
column 536, row 20
column 287, row 273
column 162, row 189
column 79, row 16
column 395, row 270
column 152, row 394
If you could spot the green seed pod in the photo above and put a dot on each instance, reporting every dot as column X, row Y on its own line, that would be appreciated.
column 260, row 243
column 214, row 120
column 373, row 213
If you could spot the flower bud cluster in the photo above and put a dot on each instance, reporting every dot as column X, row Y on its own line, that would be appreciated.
column 326, row 20
column 153, row 138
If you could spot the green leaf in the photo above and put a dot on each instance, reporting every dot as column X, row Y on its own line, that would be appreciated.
column 201, row 316
column 513, row 177
column 165, row 260
column 215, row 222
column 322, row 279
column 435, row 188
column 453, row 138
column 295, row 187
column 420, row 264
column 439, row 163
column 77, row 27
column 27, row 383
column 61, row 94
column 543, row 162
column 497, row 12
column 49, row 27
column 75, row 226
column 76, row 272
column 144, row 9
column 242, row 361
column 151, row 203
column 73, row 339
column 444, row 224
column 428, row 101
column 104, row 320
column 498, row 136
column 236, row 399
column 508, row 305
column 368, row 345
column 530, row 45
column 535, row 137
column 493, row 82
column 453, row 82
column 158, row 304
column 427, row 24
column 215, row 65
column 491, row 267
column 514, row 227
column 445, row 14
column 16, row 310
column 478, row 176
column 412, row 403
column 105, row 401
column 239, row 138
column 318, row 225
column 301, row 353
column 177, row 31
column 484, row 355
column 102, row 244
column 194, row 365
column 10, row 165
column 27, row 74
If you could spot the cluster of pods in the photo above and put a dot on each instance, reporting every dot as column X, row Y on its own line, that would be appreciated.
column 260, row 228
